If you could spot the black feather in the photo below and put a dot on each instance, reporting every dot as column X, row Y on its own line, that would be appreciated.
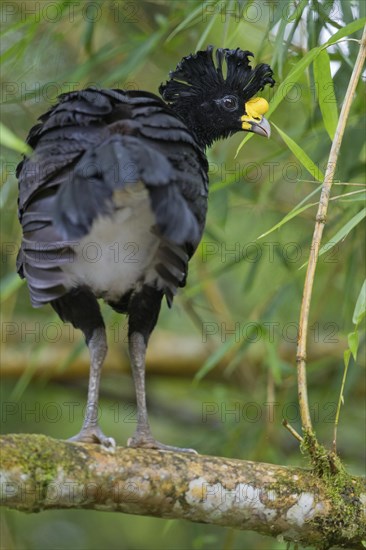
column 197, row 76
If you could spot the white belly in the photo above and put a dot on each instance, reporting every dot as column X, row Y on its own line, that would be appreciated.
column 118, row 254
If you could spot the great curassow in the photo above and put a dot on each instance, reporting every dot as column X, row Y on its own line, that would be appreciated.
column 113, row 202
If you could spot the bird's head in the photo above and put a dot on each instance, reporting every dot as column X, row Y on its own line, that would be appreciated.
column 216, row 101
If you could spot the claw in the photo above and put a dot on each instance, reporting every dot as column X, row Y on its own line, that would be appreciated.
column 93, row 435
column 144, row 442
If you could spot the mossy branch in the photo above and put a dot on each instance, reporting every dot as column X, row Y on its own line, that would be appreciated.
column 39, row 473
column 317, row 237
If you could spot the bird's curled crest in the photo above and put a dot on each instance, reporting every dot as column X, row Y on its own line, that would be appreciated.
column 197, row 74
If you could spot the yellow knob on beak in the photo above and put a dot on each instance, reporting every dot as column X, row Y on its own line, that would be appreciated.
column 256, row 107
column 253, row 120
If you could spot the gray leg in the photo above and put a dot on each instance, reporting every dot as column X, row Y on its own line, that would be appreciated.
column 143, row 436
column 81, row 308
column 137, row 349
column 90, row 431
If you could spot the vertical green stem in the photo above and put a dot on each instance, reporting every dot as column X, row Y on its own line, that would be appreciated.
column 317, row 236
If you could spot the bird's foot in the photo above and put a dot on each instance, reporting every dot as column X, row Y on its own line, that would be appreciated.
column 93, row 434
column 148, row 442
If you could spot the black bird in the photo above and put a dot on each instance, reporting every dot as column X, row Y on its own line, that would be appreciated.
column 113, row 202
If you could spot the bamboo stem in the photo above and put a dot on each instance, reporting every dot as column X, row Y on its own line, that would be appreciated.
column 292, row 430
column 317, row 236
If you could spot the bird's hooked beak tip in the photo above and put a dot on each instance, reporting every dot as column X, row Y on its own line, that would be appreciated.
column 261, row 128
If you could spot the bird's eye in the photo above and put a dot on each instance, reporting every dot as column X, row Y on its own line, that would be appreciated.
column 230, row 103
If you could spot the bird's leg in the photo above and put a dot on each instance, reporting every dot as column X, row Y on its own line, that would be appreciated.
column 80, row 307
column 143, row 436
column 137, row 349
column 90, row 431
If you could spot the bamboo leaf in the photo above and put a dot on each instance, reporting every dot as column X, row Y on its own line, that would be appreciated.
column 9, row 285
column 215, row 358
column 325, row 92
column 343, row 232
column 10, row 140
column 293, row 213
column 360, row 196
column 243, row 142
column 325, row 12
column 287, row 218
column 360, row 307
column 352, row 27
column 279, row 45
column 186, row 22
column 353, row 343
column 298, row 11
column 206, row 32
column 300, row 154
column 273, row 361
column 136, row 58
column 87, row 37
column 292, row 78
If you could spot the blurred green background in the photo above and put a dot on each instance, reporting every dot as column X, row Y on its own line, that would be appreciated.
column 221, row 372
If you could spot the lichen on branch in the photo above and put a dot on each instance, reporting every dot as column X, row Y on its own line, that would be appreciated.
column 39, row 473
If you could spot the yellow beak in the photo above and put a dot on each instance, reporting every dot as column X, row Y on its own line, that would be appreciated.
column 254, row 120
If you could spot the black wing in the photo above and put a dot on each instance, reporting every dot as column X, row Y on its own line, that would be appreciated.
column 90, row 144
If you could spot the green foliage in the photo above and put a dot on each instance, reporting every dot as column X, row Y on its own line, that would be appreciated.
column 344, row 231
column 300, row 154
column 10, row 140
column 353, row 339
column 325, row 92
column 244, row 288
